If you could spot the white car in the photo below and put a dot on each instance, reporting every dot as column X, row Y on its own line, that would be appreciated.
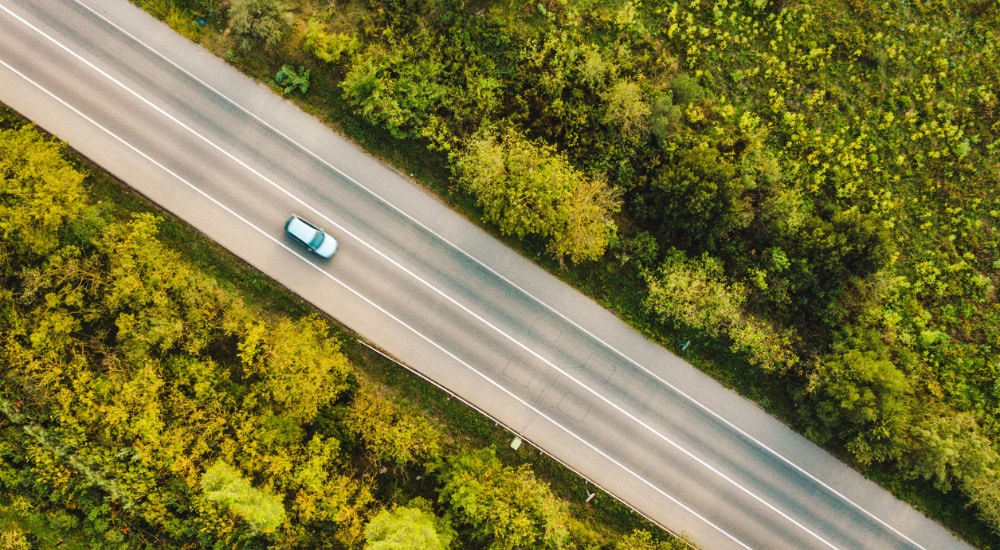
column 313, row 237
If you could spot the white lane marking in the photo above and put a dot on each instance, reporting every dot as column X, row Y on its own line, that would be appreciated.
column 379, row 308
column 532, row 297
column 441, row 293
column 488, row 268
column 402, row 268
column 475, row 407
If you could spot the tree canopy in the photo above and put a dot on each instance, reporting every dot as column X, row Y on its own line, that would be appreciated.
column 144, row 403
column 226, row 486
column 503, row 507
column 529, row 189
column 406, row 528
column 259, row 22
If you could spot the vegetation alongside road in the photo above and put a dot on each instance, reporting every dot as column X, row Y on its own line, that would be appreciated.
column 154, row 399
column 821, row 176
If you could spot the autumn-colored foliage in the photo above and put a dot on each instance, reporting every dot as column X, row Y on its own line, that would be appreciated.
column 142, row 404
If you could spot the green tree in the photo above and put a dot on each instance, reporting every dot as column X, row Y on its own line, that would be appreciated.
column 686, row 89
column 504, row 507
column 157, row 301
column 426, row 84
column 14, row 538
column 400, row 88
column 949, row 448
column 862, row 397
column 694, row 292
column 392, row 434
column 700, row 198
column 664, row 117
column 256, row 22
column 289, row 79
column 328, row 46
column 827, row 253
column 39, row 192
column 984, row 493
column 527, row 188
column 639, row 250
column 405, row 528
column 593, row 67
column 627, row 108
column 227, row 487
column 295, row 366
column 640, row 539
column 589, row 228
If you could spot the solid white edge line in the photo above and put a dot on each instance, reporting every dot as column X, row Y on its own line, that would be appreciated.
column 471, row 405
column 488, row 268
column 609, row 347
column 427, row 284
column 368, row 301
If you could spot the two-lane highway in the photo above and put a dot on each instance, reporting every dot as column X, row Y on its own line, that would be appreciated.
column 231, row 158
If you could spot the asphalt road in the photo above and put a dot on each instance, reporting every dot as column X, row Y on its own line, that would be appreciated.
column 233, row 159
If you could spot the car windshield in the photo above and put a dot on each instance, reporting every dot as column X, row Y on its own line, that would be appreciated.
column 317, row 240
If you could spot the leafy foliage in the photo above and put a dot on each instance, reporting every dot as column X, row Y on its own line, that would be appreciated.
column 40, row 191
column 503, row 507
column 693, row 292
column 950, row 449
column 289, row 79
column 328, row 46
column 393, row 90
column 393, row 436
column 528, row 189
column 864, row 393
column 406, row 528
column 644, row 540
column 225, row 485
column 626, row 107
column 143, row 405
column 259, row 22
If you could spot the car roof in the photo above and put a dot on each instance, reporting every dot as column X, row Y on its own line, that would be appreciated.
column 306, row 232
